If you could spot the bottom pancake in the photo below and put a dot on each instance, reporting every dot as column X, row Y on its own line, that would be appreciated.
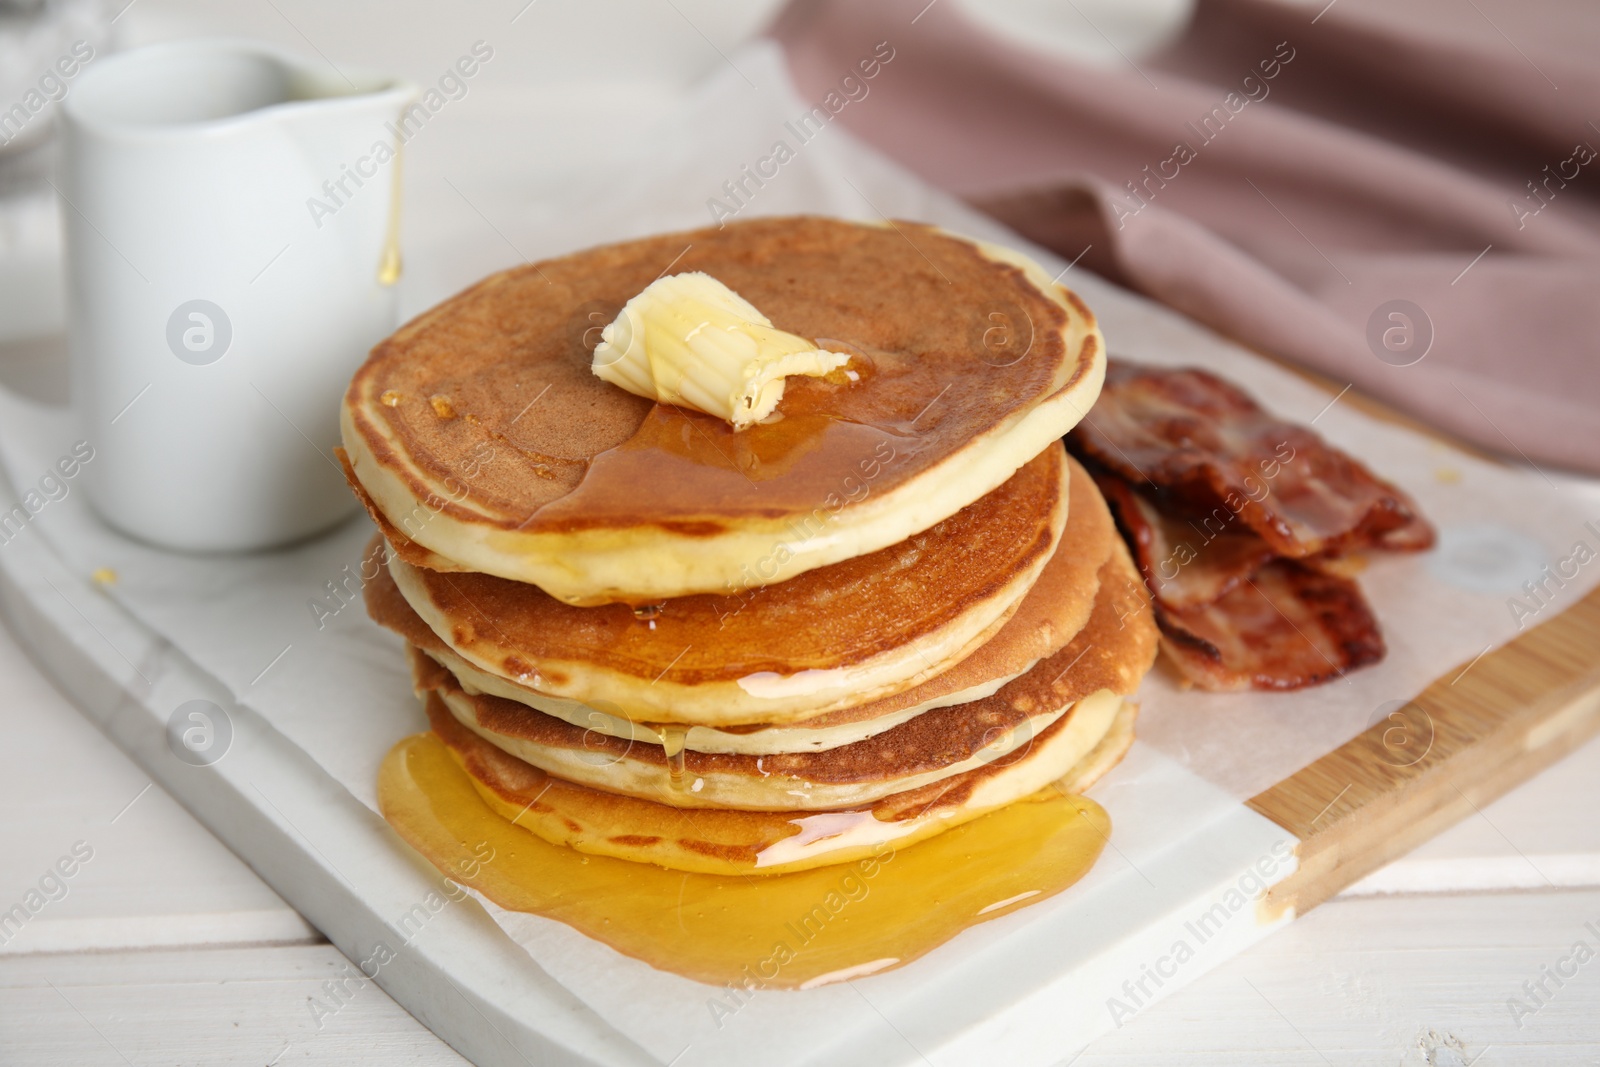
column 1075, row 750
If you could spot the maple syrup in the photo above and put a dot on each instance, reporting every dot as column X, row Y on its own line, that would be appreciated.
column 673, row 736
column 784, row 931
column 389, row 265
column 682, row 465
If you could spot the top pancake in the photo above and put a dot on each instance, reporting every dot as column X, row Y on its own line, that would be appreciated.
column 479, row 430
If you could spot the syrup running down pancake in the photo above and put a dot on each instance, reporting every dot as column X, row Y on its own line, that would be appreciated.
column 479, row 431
column 835, row 637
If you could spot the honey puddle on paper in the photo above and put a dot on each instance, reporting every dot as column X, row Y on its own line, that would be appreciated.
column 781, row 931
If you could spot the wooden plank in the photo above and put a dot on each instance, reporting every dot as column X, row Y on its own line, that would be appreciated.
column 1513, row 844
column 65, row 782
column 1406, row 981
column 1470, row 736
column 223, row 1007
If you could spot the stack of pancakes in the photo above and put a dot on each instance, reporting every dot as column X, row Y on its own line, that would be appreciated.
column 894, row 607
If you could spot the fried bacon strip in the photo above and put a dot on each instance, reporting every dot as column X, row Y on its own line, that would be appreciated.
column 1234, row 616
column 1212, row 451
column 1185, row 564
column 1287, row 627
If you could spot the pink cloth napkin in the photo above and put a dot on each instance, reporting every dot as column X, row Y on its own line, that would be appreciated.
column 1400, row 196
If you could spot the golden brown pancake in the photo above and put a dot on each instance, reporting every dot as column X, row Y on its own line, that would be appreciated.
column 1053, row 611
column 479, row 430
column 1111, row 653
column 928, row 748
column 723, row 841
column 1105, row 755
column 836, row 637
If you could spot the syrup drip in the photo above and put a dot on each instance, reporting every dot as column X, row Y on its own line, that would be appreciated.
column 672, row 740
column 784, row 931
column 648, row 612
column 389, row 265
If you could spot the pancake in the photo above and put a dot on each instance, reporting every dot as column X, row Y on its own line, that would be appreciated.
column 1111, row 653
column 1054, row 610
column 722, row 841
column 832, row 638
column 1105, row 755
column 928, row 748
column 479, row 430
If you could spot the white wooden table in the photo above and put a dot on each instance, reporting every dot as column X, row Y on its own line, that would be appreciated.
column 166, row 949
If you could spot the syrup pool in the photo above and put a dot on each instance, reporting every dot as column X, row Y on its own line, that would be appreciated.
column 782, row 931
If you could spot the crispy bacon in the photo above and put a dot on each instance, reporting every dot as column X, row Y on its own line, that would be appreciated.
column 1203, row 444
column 1243, row 526
column 1185, row 564
column 1287, row 627
column 1234, row 616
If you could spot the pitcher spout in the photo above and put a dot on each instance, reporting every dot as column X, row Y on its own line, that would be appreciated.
column 220, row 87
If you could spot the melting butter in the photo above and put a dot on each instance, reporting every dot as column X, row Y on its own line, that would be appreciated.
column 689, row 340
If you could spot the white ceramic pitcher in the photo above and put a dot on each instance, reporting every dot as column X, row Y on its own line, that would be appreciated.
column 232, row 218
